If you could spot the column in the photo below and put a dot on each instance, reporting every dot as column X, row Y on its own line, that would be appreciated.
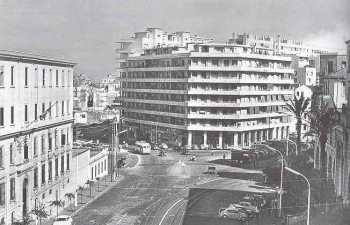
column 242, row 139
column 235, row 139
column 249, row 138
column 205, row 138
column 220, row 139
column 189, row 138
column 255, row 136
column 273, row 132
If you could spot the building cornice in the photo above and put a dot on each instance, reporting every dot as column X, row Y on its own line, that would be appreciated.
column 33, row 130
column 30, row 58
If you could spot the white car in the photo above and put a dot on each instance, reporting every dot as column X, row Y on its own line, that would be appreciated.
column 63, row 220
column 233, row 213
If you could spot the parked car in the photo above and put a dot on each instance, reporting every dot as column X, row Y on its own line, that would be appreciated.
column 163, row 146
column 193, row 158
column 233, row 213
column 248, row 206
column 63, row 220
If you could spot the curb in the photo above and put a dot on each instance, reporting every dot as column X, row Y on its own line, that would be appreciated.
column 97, row 196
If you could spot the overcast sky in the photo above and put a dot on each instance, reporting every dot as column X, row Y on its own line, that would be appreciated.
column 86, row 30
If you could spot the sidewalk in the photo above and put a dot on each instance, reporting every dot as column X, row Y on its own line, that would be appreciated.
column 84, row 198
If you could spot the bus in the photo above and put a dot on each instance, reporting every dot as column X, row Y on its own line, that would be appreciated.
column 141, row 147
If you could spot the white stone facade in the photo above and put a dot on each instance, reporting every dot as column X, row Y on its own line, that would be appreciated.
column 36, row 116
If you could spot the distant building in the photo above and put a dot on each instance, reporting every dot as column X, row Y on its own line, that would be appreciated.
column 333, row 77
column 336, row 76
column 153, row 38
column 201, row 95
column 36, row 136
column 280, row 45
column 306, row 76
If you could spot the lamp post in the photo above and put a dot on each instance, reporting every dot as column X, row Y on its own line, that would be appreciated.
column 293, row 142
column 308, row 194
column 281, row 183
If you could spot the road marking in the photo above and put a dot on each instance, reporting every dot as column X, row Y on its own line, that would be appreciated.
column 165, row 214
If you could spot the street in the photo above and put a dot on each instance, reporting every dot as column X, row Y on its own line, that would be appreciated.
column 156, row 191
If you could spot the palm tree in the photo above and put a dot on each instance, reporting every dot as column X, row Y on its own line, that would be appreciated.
column 40, row 212
column 298, row 106
column 70, row 197
column 57, row 203
column 322, row 119
column 81, row 189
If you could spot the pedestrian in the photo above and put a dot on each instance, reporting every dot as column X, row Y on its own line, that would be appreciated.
column 224, row 156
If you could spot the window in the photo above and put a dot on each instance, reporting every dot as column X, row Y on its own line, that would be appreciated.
column 35, row 147
column 12, row 76
column 68, row 107
column 50, row 106
column 50, row 78
column 57, row 109
column 63, row 80
column 62, row 164
column 1, row 157
column 12, row 115
column 56, row 167
column 63, row 139
column 2, row 75
column 12, row 189
column 42, row 144
column 67, row 161
column 1, row 116
column 43, row 173
column 25, row 151
column 11, row 153
column 56, row 78
column 43, row 109
column 50, row 170
column 2, row 194
column 26, row 77
column 36, row 77
column 50, row 141
column 35, row 177
column 62, row 109
column 35, row 111
column 330, row 67
column 26, row 113
column 43, row 78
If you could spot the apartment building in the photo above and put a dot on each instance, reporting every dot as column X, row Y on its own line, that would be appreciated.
column 207, row 95
column 152, row 38
column 36, row 116
column 281, row 45
column 333, row 77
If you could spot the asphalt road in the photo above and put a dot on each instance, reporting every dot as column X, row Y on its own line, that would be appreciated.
column 145, row 194
column 157, row 191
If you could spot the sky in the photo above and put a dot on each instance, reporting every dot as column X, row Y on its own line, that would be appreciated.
column 85, row 31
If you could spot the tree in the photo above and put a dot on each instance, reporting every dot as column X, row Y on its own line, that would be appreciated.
column 298, row 106
column 57, row 203
column 25, row 221
column 70, row 197
column 322, row 119
column 40, row 212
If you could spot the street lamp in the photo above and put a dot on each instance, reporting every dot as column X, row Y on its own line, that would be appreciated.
column 293, row 142
column 308, row 194
column 281, row 183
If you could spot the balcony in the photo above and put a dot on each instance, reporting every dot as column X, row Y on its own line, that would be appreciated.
column 150, row 101
column 233, row 104
column 232, row 116
column 224, row 80
column 242, row 69
column 240, row 55
column 200, row 91
column 179, row 115
column 161, row 91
